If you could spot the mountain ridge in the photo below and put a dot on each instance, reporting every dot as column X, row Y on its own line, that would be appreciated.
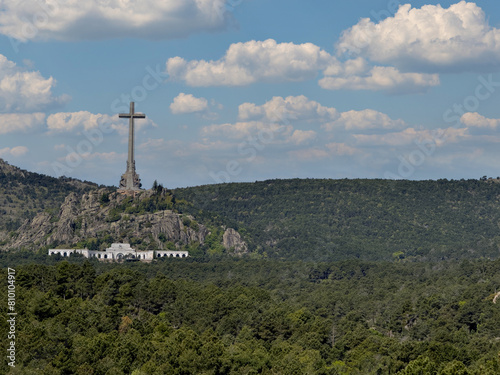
column 294, row 219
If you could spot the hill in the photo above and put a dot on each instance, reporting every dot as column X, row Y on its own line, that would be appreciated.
column 370, row 219
column 99, row 218
column 24, row 194
column 69, row 213
column 298, row 219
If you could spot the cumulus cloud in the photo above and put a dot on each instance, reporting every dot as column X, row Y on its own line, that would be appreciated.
column 273, row 120
column 365, row 119
column 14, row 151
column 68, row 121
column 302, row 136
column 253, row 61
column 428, row 39
column 84, row 120
column 20, row 122
column 187, row 103
column 475, row 120
column 381, row 78
column 278, row 121
column 25, row 91
column 290, row 108
column 148, row 19
column 269, row 61
column 245, row 129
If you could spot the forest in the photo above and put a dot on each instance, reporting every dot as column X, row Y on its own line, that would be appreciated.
column 325, row 220
column 220, row 315
column 343, row 277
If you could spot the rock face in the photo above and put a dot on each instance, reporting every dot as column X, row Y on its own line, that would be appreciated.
column 87, row 217
column 232, row 241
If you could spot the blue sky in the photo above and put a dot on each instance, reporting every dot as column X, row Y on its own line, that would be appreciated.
column 245, row 90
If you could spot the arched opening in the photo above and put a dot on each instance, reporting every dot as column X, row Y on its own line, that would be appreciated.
column 177, row 255
column 51, row 253
column 105, row 256
column 159, row 255
column 99, row 256
column 65, row 254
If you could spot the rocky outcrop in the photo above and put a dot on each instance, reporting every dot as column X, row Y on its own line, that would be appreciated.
column 86, row 217
column 233, row 242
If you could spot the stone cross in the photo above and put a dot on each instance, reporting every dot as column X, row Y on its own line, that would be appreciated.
column 130, row 179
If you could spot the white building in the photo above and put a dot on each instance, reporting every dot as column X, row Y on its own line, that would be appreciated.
column 120, row 251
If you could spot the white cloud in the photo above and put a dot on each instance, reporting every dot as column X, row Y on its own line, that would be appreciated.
column 187, row 103
column 428, row 39
column 269, row 61
column 365, row 119
column 379, row 78
column 277, row 120
column 25, row 91
column 280, row 109
column 84, row 120
column 302, row 136
column 14, row 151
column 475, row 120
column 253, row 61
column 247, row 129
column 20, row 122
column 98, row 19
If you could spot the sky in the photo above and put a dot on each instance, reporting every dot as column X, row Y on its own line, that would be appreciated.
column 249, row 90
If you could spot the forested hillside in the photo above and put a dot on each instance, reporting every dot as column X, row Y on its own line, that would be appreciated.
column 344, row 277
column 308, row 219
column 254, row 317
column 367, row 219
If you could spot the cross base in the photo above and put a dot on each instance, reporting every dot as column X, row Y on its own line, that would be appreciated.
column 130, row 181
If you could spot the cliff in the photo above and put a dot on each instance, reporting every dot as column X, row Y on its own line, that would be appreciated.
column 101, row 217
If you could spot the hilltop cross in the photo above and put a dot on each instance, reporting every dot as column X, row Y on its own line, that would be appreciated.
column 130, row 179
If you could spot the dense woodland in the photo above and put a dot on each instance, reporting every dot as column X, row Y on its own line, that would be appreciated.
column 323, row 220
column 228, row 316
column 344, row 277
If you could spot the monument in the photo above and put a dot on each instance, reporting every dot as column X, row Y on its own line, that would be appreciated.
column 130, row 179
column 121, row 251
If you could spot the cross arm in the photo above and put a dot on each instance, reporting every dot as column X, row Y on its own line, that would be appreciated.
column 135, row 115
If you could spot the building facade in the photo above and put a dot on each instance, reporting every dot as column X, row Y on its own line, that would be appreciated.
column 121, row 251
